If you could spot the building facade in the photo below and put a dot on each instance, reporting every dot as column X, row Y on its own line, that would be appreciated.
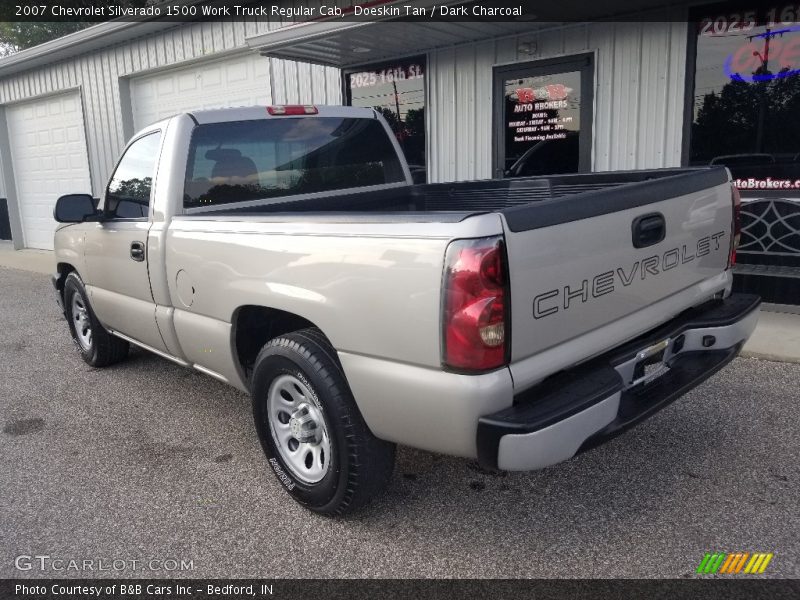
column 662, row 88
column 65, row 119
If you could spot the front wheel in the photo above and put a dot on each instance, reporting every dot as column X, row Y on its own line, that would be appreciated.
column 311, row 430
column 97, row 346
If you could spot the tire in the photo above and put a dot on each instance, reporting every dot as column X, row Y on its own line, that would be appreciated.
column 99, row 348
column 303, row 407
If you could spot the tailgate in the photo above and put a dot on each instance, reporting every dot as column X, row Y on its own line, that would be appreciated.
column 585, row 280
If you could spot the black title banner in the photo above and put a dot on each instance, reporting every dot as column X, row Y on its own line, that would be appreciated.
column 98, row 11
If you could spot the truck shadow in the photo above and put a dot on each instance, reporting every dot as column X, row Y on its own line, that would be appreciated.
column 625, row 481
column 621, row 481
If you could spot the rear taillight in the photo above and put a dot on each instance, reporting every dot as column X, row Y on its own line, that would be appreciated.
column 293, row 109
column 736, row 227
column 476, row 305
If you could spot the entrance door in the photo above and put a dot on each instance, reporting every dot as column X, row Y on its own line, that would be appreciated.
column 543, row 117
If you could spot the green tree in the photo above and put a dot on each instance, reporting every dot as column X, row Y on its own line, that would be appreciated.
column 729, row 120
column 21, row 35
column 415, row 122
column 392, row 118
column 134, row 189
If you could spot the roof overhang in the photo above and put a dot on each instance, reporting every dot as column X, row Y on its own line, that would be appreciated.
column 351, row 42
column 343, row 43
column 83, row 41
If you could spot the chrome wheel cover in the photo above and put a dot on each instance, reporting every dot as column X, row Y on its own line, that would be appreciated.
column 298, row 428
column 81, row 322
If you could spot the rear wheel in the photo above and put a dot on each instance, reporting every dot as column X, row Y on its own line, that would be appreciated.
column 97, row 346
column 315, row 439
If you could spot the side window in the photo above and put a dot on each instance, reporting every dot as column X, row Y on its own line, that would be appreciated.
column 397, row 91
column 746, row 96
column 128, row 192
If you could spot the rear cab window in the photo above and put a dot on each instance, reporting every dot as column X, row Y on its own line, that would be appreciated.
column 242, row 161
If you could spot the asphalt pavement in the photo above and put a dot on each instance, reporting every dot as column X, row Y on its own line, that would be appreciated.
column 152, row 463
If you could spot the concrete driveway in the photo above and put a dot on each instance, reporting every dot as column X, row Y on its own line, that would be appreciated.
column 146, row 462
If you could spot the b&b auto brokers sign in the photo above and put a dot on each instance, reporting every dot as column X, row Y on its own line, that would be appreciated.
column 535, row 114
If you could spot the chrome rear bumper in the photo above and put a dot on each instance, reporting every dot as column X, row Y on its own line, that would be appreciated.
column 583, row 407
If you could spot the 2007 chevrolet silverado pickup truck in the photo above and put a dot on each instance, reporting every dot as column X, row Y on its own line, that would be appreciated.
column 284, row 250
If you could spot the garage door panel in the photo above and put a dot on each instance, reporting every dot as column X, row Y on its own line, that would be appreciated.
column 49, row 158
column 261, row 69
column 238, row 81
column 187, row 83
column 212, row 77
column 236, row 73
column 165, row 86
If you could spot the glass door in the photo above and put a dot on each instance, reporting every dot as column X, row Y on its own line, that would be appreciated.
column 543, row 117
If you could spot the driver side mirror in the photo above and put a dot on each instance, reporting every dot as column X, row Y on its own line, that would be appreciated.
column 75, row 208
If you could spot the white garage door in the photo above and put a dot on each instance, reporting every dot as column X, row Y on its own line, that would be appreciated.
column 238, row 81
column 48, row 153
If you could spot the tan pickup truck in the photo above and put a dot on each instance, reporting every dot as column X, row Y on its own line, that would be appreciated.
column 284, row 250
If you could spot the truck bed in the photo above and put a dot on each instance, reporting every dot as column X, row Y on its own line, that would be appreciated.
column 527, row 203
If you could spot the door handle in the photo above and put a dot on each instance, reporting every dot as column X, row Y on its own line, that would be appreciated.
column 137, row 251
column 648, row 230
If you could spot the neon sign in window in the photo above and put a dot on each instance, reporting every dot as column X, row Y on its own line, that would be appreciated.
column 746, row 105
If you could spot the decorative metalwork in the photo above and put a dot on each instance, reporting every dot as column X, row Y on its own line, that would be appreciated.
column 770, row 227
